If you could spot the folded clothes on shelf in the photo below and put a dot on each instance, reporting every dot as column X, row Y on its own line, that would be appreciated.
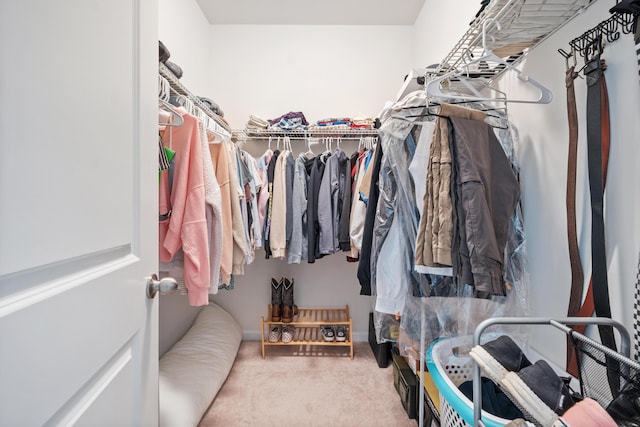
column 256, row 122
column 174, row 68
column 290, row 115
column 294, row 123
column 212, row 105
column 329, row 127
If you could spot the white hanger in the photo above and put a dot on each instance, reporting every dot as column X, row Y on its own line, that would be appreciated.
column 164, row 88
column 177, row 117
column 309, row 152
column 433, row 87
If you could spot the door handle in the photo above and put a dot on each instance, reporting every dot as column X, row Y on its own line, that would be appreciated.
column 165, row 286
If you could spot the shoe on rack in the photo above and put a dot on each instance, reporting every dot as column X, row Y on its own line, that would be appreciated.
column 288, row 333
column 327, row 333
column 275, row 333
column 341, row 333
column 539, row 392
column 276, row 300
column 498, row 357
column 289, row 309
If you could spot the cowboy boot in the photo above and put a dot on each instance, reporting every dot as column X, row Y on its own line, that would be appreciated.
column 289, row 309
column 276, row 300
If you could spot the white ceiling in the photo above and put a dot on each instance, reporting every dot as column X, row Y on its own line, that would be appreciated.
column 311, row 12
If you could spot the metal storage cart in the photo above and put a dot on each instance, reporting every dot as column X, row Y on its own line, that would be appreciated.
column 450, row 365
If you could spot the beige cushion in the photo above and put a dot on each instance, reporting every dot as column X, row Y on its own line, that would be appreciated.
column 192, row 372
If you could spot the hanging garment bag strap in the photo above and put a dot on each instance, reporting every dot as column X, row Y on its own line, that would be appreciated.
column 598, row 133
column 577, row 275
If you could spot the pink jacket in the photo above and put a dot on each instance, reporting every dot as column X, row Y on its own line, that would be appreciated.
column 187, row 225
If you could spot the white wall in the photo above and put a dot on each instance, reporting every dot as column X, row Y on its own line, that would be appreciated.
column 543, row 156
column 185, row 31
column 438, row 27
column 323, row 71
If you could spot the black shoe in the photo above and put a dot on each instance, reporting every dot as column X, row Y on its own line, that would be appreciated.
column 539, row 392
column 289, row 309
column 498, row 357
column 276, row 300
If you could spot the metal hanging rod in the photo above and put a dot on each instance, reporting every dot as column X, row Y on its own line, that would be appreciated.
column 180, row 89
column 301, row 134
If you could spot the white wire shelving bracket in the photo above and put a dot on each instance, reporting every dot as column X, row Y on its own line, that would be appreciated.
column 513, row 28
column 180, row 89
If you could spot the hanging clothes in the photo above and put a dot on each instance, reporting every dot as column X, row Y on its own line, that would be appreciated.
column 263, row 195
column 186, row 227
column 364, row 265
column 278, row 230
column 344, row 239
column 269, row 208
column 298, row 245
column 244, row 179
column 255, row 186
column 330, row 202
column 488, row 193
column 361, row 188
column 397, row 220
column 313, row 226
column 213, row 212
column 220, row 160
column 237, row 197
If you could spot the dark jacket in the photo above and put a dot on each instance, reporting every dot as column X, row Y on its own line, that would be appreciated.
column 364, row 266
column 488, row 194
column 267, row 221
column 315, row 179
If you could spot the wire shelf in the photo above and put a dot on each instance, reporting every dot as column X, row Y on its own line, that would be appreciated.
column 304, row 133
column 180, row 89
column 514, row 27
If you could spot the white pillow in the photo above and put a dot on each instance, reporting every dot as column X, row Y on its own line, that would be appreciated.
column 192, row 372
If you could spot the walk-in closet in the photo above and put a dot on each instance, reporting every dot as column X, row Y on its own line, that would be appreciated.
column 381, row 213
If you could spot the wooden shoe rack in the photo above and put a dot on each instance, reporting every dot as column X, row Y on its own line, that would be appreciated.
column 307, row 325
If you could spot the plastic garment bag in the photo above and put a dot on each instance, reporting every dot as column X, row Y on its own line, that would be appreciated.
column 392, row 271
column 449, row 308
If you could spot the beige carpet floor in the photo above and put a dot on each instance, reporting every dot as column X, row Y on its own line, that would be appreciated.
column 307, row 386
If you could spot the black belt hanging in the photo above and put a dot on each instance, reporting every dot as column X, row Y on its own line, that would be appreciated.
column 598, row 141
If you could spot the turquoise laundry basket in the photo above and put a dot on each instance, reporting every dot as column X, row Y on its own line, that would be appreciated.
column 450, row 365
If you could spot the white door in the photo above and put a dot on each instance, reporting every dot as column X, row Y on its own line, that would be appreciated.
column 78, row 212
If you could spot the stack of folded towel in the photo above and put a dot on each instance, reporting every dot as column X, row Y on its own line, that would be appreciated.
column 256, row 122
